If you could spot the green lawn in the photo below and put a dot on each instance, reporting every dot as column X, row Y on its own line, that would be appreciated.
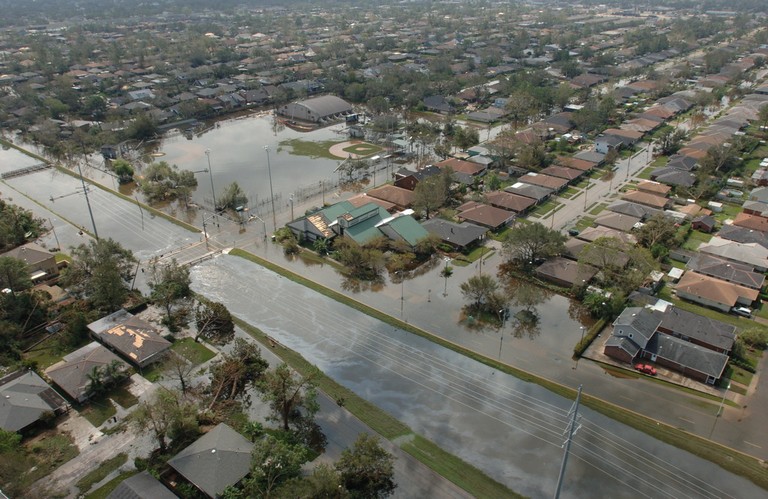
column 546, row 208
column 122, row 396
column 729, row 211
column 46, row 354
column 299, row 147
column 196, row 353
column 597, row 209
column 695, row 238
column 584, row 223
column 101, row 472
column 570, row 193
column 106, row 489
column 97, row 411
column 473, row 256
column 646, row 173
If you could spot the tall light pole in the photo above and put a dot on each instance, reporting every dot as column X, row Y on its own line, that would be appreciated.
column 271, row 192
column 719, row 409
column 291, row 200
column 629, row 164
column 210, row 174
column 503, row 315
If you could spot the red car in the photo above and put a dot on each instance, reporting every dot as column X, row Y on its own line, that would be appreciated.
column 646, row 369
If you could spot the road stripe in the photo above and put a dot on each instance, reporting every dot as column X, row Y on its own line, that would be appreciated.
column 686, row 420
column 753, row 445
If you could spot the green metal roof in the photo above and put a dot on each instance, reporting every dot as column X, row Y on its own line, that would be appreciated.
column 365, row 231
column 408, row 229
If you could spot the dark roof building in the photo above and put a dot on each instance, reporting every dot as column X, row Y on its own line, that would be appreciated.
column 719, row 268
column 24, row 398
column 742, row 235
column 566, row 273
column 509, row 201
column 457, row 235
column 136, row 340
column 215, row 461
column 485, row 215
column 541, row 180
column 535, row 192
column 141, row 486
column 317, row 109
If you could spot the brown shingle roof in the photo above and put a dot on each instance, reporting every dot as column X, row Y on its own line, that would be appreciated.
column 647, row 199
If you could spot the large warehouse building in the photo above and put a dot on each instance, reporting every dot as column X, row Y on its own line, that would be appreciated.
column 316, row 110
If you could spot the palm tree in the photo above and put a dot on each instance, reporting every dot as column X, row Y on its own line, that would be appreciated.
column 96, row 384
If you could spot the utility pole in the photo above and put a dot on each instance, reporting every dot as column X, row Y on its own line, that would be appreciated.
column 571, row 430
column 58, row 246
column 87, row 201
column 210, row 175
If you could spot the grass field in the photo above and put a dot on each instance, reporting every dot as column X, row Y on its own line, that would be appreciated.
column 695, row 238
column 300, row 147
column 363, row 149
column 47, row 452
column 196, row 353
column 546, row 208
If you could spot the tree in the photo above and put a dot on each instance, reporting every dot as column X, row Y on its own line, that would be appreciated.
column 273, row 462
column 483, row 294
column 167, row 416
column 181, row 369
column 101, row 271
column 123, row 170
column 163, row 182
column 657, row 230
column 232, row 198
column 236, row 371
column 170, row 288
column 214, row 322
column 17, row 225
column 288, row 394
column 670, row 140
column 528, row 243
column 14, row 274
column 367, row 470
column 323, row 483
column 720, row 158
column 430, row 194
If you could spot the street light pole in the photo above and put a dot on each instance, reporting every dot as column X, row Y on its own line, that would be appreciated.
column 719, row 410
column 291, row 199
column 210, row 174
column 629, row 164
column 271, row 192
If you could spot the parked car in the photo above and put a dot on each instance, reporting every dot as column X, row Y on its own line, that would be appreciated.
column 742, row 311
column 646, row 369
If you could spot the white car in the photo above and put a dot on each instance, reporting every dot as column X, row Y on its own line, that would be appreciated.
column 742, row 311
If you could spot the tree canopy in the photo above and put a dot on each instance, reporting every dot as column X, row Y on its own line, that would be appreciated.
column 367, row 470
column 527, row 243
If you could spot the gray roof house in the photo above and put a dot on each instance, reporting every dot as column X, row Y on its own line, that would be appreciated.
column 215, row 461
column 743, row 235
column 71, row 373
column 24, row 397
column 734, row 272
column 141, row 486
column 457, row 235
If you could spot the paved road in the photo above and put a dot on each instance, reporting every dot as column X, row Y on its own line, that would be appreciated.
column 510, row 429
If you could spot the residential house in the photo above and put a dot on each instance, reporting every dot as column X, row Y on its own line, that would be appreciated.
column 605, row 143
column 438, row 104
column 657, row 202
column 24, row 398
column 565, row 273
column 72, row 373
column 714, row 293
column 401, row 198
column 617, row 221
column 538, row 193
column 673, row 176
column 719, row 268
column 756, row 208
column 592, row 234
column 594, row 157
column 654, row 188
column 568, row 174
column 759, row 194
column 461, row 166
column 575, row 163
column 633, row 210
column 41, row 263
column 460, row 236
column 408, row 179
column 752, row 222
column 541, row 180
column 509, row 201
column 682, row 341
column 704, row 224
column 752, row 254
column 403, row 228
column 742, row 235
column 141, row 486
column 484, row 215
column 137, row 341
column 215, row 461
column 760, row 177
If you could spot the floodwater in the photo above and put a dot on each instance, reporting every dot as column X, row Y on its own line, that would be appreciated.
column 237, row 154
column 510, row 429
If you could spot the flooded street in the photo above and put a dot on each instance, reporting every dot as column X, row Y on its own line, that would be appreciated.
column 509, row 428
